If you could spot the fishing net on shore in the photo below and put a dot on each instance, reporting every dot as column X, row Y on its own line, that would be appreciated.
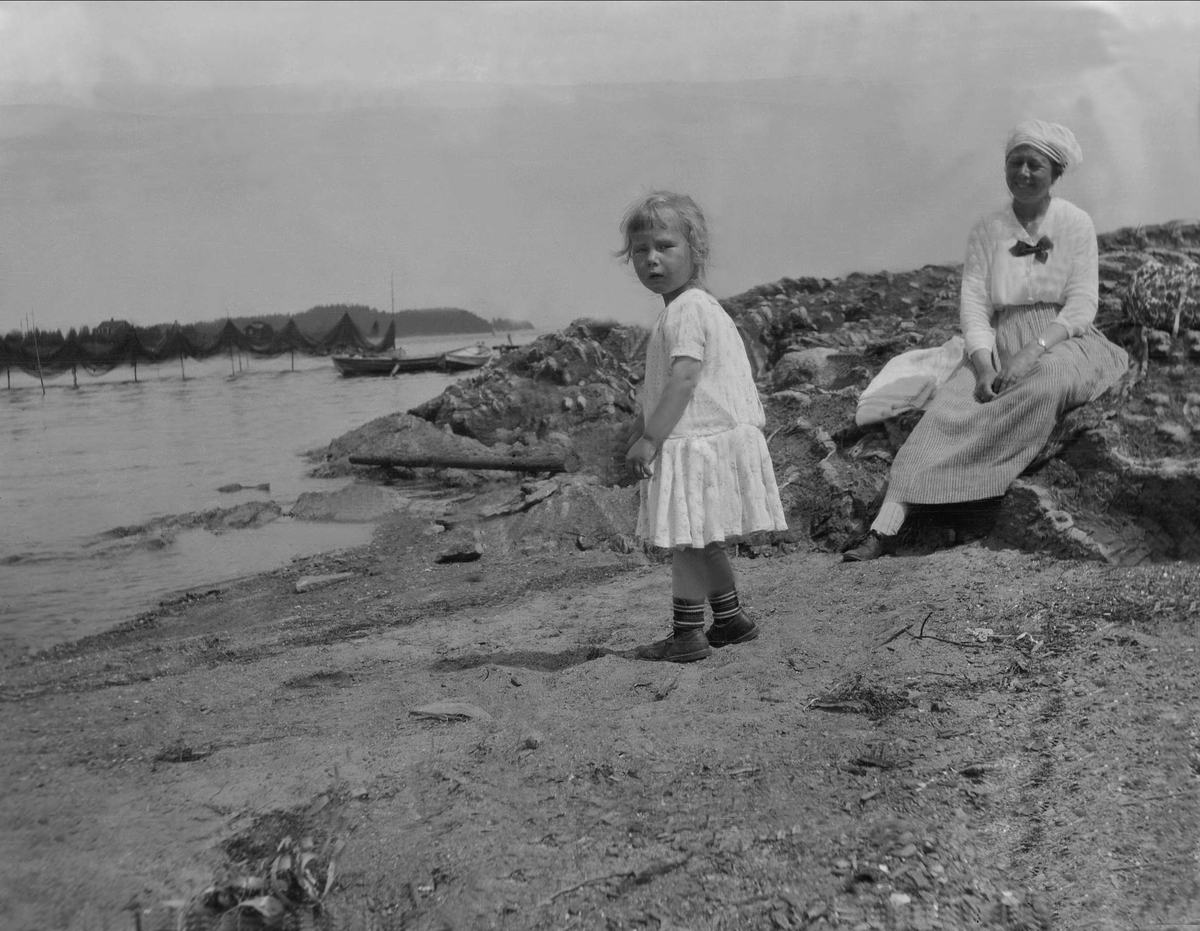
column 34, row 372
column 98, row 368
column 50, row 356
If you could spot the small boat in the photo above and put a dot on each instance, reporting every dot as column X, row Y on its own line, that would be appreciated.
column 468, row 357
column 456, row 360
column 386, row 365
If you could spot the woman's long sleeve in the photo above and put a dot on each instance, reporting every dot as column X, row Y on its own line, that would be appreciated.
column 975, row 305
column 1081, row 291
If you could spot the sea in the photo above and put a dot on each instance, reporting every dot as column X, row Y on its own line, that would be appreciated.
column 80, row 462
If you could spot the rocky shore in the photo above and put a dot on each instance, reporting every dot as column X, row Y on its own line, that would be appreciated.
column 441, row 730
column 1117, row 482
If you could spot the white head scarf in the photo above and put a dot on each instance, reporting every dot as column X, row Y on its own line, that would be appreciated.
column 1052, row 140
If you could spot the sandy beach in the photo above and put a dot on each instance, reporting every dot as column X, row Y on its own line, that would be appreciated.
column 974, row 738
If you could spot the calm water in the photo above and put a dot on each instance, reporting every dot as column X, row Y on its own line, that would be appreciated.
column 77, row 463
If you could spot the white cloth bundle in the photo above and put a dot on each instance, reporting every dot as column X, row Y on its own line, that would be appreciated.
column 908, row 382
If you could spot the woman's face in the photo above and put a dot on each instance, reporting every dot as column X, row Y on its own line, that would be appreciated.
column 1029, row 174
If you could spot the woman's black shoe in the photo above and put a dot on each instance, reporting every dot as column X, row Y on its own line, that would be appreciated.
column 874, row 546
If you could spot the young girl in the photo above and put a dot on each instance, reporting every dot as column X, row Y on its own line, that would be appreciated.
column 699, row 450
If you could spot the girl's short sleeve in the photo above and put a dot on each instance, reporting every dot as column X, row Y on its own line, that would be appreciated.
column 683, row 330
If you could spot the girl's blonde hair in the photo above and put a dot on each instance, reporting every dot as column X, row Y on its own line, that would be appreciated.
column 658, row 210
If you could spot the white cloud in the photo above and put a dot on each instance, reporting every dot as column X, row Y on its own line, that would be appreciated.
column 47, row 43
column 874, row 143
column 75, row 45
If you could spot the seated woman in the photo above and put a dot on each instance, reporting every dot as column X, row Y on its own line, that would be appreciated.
column 1030, row 287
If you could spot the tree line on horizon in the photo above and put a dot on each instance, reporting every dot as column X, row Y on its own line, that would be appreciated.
column 118, row 342
column 434, row 321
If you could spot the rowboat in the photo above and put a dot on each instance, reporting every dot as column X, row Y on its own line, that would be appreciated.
column 386, row 365
column 456, row 360
column 468, row 357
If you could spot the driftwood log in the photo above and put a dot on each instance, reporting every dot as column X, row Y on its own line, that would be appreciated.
column 569, row 462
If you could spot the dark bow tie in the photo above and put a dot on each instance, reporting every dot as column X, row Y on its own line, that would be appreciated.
column 1041, row 251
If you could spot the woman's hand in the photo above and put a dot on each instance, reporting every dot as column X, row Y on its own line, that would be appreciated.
column 985, row 376
column 640, row 458
column 1019, row 366
column 985, row 385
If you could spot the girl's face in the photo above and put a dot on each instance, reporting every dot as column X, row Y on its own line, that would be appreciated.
column 1029, row 174
column 662, row 259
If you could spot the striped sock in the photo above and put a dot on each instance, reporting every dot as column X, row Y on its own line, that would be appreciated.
column 725, row 607
column 688, row 615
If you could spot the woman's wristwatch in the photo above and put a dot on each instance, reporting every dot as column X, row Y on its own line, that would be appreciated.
column 1041, row 342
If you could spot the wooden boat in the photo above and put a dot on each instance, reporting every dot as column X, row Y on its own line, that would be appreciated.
column 457, row 360
column 468, row 357
column 386, row 365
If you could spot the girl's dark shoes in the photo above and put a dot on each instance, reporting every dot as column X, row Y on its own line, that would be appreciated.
column 874, row 546
column 691, row 645
column 740, row 629
column 680, row 647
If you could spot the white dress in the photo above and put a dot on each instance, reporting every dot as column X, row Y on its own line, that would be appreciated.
column 713, row 478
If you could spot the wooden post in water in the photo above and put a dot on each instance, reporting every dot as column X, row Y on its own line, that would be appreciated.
column 74, row 376
column 182, row 373
column 8, row 373
column 293, row 358
column 133, row 356
column 232, row 370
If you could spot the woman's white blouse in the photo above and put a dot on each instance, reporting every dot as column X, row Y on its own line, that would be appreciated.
column 994, row 278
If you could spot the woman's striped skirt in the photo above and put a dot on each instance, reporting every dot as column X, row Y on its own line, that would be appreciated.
column 964, row 450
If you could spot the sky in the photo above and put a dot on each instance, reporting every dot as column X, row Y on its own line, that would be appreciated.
column 187, row 161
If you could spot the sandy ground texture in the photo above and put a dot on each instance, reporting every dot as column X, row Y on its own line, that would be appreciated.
column 975, row 738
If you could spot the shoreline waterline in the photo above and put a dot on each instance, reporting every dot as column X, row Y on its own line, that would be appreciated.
column 119, row 454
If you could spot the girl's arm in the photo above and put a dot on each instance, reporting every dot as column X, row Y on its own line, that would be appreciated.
column 635, row 432
column 681, row 387
column 638, row 428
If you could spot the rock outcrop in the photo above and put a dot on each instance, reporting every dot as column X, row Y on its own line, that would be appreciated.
column 1119, row 479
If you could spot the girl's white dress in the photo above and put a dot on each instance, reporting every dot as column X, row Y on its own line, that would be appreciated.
column 713, row 478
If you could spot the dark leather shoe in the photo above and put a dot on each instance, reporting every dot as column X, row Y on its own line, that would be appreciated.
column 874, row 546
column 686, row 647
column 739, row 630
